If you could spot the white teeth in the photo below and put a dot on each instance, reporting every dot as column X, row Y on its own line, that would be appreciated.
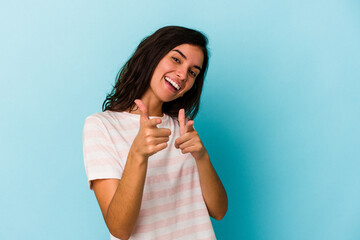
column 172, row 83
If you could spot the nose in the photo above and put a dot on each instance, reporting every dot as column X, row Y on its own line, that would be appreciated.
column 181, row 73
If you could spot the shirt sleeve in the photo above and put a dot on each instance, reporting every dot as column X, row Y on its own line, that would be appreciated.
column 101, row 159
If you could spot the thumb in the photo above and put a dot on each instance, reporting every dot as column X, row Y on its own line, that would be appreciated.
column 143, row 111
column 190, row 126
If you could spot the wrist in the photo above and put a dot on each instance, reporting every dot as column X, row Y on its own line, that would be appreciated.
column 137, row 157
column 202, row 156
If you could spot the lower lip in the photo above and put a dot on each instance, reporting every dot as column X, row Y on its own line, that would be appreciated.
column 170, row 87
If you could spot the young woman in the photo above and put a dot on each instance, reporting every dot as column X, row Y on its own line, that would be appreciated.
column 150, row 172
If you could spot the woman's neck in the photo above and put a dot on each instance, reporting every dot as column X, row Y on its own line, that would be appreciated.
column 153, row 106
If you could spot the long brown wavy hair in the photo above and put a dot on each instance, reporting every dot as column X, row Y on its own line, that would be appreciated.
column 134, row 77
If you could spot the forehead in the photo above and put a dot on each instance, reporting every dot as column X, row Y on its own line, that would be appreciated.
column 192, row 53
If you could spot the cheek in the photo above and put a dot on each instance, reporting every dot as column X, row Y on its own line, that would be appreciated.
column 165, row 65
column 162, row 67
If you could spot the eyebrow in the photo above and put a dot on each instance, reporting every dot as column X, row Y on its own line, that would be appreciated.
column 195, row 66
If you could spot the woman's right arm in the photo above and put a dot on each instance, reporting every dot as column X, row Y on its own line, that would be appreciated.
column 120, row 200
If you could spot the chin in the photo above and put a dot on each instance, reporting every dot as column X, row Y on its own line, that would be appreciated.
column 168, row 98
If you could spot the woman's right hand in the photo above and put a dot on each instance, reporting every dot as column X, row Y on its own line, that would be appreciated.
column 120, row 200
column 150, row 139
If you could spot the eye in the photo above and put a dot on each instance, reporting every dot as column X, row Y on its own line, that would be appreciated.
column 176, row 59
column 192, row 73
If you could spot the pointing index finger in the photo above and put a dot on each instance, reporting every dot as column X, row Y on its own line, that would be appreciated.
column 181, row 119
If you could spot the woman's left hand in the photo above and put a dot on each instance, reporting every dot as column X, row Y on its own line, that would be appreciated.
column 213, row 191
column 189, row 140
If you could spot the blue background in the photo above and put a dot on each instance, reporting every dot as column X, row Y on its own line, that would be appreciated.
column 280, row 111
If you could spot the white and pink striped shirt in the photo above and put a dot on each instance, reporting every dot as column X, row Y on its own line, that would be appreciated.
column 172, row 205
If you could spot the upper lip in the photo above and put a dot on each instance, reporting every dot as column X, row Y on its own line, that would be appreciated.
column 177, row 82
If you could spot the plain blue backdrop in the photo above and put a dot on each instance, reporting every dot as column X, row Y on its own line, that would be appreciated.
column 280, row 111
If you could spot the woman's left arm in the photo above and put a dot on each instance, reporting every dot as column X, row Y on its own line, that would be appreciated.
column 213, row 190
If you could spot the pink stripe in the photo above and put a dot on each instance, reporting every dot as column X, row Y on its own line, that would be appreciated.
column 110, row 133
column 186, row 231
column 98, row 147
column 169, row 206
column 96, row 133
column 102, row 162
column 169, row 176
column 90, row 125
column 212, row 237
column 170, row 221
column 164, row 162
column 106, row 148
column 93, row 124
column 168, row 192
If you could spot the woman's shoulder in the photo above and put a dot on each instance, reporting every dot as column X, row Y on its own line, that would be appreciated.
column 99, row 116
column 112, row 117
column 109, row 114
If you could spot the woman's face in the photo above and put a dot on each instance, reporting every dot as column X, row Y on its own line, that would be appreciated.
column 176, row 72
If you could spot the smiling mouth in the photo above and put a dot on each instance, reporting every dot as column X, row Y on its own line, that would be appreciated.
column 172, row 83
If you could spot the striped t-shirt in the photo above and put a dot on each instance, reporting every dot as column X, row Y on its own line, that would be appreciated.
column 172, row 205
